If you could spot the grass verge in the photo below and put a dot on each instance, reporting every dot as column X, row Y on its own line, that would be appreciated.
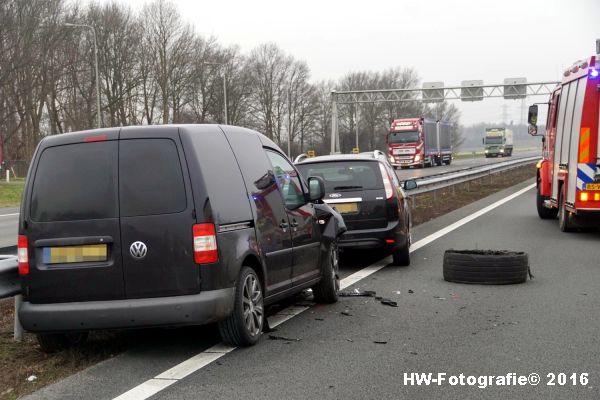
column 10, row 193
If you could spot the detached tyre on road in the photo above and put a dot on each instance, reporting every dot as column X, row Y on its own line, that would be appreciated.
column 486, row 267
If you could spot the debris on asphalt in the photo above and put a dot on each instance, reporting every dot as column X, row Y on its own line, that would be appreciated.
column 357, row 293
column 267, row 328
column 350, row 340
column 378, row 298
column 439, row 298
column 389, row 302
column 410, row 291
column 346, row 312
column 286, row 339
column 31, row 378
column 414, row 353
column 397, row 292
column 380, row 341
column 319, row 319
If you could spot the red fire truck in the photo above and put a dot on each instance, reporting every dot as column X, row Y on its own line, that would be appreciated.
column 419, row 142
column 568, row 176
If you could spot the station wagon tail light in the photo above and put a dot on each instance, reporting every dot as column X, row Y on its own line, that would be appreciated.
column 205, row 244
column 23, row 255
column 387, row 182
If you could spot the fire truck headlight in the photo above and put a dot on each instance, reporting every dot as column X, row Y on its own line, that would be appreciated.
column 594, row 73
column 417, row 157
column 501, row 150
column 487, row 151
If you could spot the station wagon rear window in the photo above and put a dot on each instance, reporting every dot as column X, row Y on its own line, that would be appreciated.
column 345, row 175
column 76, row 182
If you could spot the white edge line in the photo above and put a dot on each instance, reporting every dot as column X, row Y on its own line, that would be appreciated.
column 8, row 215
column 167, row 378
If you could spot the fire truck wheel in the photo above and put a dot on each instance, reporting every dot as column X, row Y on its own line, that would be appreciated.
column 564, row 217
column 486, row 267
column 544, row 212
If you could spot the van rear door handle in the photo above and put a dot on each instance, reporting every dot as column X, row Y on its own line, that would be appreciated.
column 294, row 224
column 283, row 225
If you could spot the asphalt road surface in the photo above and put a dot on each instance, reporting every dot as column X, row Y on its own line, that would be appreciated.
column 548, row 325
column 9, row 219
column 457, row 165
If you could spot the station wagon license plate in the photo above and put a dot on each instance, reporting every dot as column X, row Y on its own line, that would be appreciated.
column 75, row 254
column 592, row 186
column 346, row 208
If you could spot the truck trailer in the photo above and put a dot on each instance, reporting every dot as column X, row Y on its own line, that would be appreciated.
column 419, row 142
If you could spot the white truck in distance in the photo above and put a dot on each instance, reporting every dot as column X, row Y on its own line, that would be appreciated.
column 498, row 142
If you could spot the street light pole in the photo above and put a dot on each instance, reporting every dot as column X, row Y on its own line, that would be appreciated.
column 98, row 111
column 222, row 65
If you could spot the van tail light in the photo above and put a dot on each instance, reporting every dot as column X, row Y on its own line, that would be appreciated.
column 205, row 244
column 23, row 255
column 387, row 182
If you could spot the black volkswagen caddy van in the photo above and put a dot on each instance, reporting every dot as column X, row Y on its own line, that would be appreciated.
column 166, row 226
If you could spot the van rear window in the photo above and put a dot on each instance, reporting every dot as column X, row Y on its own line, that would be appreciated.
column 150, row 178
column 76, row 182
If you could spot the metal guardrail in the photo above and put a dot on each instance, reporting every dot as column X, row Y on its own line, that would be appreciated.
column 10, row 284
column 431, row 183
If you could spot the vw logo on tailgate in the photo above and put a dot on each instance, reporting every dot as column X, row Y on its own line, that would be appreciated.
column 138, row 250
column 335, row 195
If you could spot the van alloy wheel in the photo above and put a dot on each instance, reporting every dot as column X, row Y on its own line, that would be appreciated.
column 244, row 326
column 326, row 291
column 253, row 305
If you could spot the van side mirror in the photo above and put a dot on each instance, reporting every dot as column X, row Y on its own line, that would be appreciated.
column 316, row 188
column 410, row 184
column 532, row 120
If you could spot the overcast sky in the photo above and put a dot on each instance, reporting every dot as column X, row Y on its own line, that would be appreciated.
column 443, row 40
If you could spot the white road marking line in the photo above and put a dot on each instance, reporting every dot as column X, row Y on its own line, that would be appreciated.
column 146, row 389
column 9, row 215
column 200, row 360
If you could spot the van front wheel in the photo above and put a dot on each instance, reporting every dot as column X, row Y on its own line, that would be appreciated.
column 244, row 326
column 326, row 291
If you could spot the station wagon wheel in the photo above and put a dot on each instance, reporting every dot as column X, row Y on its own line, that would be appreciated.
column 326, row 291
column 244, row 326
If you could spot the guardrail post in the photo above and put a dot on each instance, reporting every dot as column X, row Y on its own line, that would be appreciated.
column 18, row 329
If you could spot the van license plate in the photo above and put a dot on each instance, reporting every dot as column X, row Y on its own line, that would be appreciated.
column 346, row 208
column 75, row 254
column 592, row 186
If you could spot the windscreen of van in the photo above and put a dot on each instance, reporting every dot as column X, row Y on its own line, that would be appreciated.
column 76, row 182
column 150, row 178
